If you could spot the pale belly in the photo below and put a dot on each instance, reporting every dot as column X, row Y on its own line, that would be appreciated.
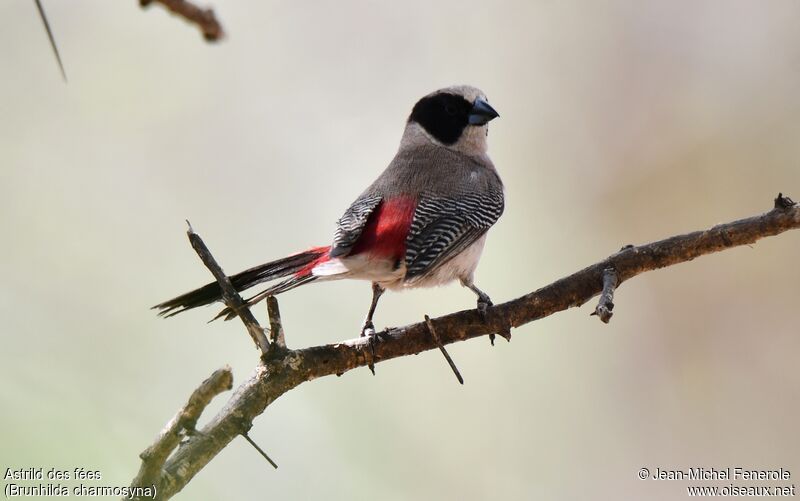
column 361, row 267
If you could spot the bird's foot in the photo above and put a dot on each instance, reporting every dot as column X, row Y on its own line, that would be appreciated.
column 368, row 329
column 484, row 303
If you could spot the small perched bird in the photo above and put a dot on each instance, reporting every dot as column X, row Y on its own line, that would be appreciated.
column 422, row 223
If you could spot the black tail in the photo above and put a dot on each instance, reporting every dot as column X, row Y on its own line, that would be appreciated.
column 297, row 265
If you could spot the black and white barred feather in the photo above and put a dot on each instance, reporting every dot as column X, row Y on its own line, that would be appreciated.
column 351, row 224
column 444, row 226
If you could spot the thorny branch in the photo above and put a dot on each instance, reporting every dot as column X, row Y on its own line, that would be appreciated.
column 203, row 18
column 281, row 370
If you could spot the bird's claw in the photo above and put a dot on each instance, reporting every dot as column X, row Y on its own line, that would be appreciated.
column 484, row 304
column 368, row 330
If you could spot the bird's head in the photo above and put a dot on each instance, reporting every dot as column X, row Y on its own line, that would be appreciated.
column 455, row 117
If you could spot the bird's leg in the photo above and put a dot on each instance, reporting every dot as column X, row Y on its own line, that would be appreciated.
column 484, row 302
column 369, row 328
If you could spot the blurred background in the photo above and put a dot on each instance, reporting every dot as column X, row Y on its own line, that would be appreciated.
column 621, row 122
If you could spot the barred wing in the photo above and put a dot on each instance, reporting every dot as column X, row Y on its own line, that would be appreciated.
column 351, row 224
column 445, row 226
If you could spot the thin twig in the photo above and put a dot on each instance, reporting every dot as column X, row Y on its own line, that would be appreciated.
column 276, row 336
column 181, row 425
column 441, row 348
column 232, row 298
column 260, row 450
column 203, row 18
column 52, row 38
column 605, row 307
column 279, row 374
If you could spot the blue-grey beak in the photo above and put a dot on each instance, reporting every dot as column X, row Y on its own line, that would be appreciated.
column 481, row 113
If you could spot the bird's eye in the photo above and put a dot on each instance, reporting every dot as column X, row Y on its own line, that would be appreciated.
column 450, row 109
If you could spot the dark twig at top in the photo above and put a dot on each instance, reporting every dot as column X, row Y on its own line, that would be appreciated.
column 232, row 298
column 52, row 38
column 203, row 18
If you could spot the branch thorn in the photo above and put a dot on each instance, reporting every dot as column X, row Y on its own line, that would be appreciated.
column 783, row 203
column 452, row 364
column 260, row 450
